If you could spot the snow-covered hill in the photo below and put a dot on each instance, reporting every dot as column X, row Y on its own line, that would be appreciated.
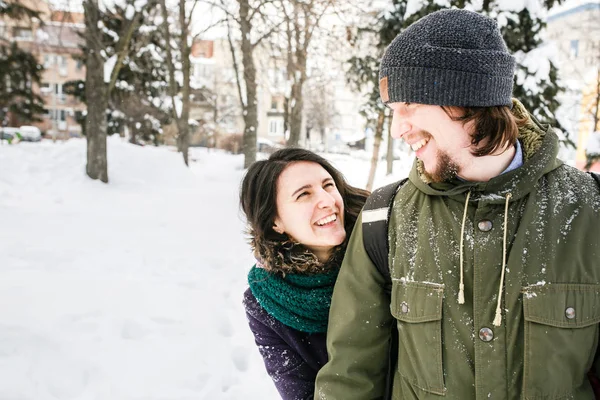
column 130, row 290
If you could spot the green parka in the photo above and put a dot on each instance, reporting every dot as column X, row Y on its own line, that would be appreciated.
column 549, row 314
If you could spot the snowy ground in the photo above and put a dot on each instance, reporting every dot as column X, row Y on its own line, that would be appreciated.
column 129, row 290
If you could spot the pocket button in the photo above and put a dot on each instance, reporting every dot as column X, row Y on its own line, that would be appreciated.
column 486, row 334
column 404, row 308
column 570, row 313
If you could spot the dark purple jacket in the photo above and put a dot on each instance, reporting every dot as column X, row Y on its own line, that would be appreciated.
column 292, row 357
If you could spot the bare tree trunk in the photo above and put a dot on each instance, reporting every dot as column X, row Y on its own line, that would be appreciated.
column 295, row 117
column 286, row 115
column 132, row 133
column 301, row 22
column 183, row 122
column 376, row 145
column 96, row 95
column 593, row 158
column 297, row 72
column 96, row 90
column 390, row 147
column 251, row 109
column 596, row 116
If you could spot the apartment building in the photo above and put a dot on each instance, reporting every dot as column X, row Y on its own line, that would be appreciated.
column 574, row 29
column 215, row 98
column 55, row 43
column 212, row 68
column 60, row 55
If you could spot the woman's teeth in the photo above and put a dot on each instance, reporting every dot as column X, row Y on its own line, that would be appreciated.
column 418, row 145
column 326, row 220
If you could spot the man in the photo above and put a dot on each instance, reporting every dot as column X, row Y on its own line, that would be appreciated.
column 494, row 243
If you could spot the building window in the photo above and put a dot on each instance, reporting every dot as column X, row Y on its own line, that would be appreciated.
column 45, row 88
column 272, row 127
column 62, row 65
column 79, row 65
column 57, row 115
column 573, row 49
column 58, row 92
column 273, row 103
column 48, row 60
column 22, row 33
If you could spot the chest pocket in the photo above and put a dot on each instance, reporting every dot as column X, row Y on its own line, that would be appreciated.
column 417, row 307
column 561, row 337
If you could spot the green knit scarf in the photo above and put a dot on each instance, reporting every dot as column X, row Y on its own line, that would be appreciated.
column 297, row 300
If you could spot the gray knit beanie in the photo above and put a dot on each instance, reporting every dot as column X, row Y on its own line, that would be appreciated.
column 448, row 58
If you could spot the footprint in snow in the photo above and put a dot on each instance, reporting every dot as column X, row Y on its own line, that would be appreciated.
column 240, row 359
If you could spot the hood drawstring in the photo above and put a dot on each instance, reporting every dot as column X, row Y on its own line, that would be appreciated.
column 498, row 318
column 461, row 286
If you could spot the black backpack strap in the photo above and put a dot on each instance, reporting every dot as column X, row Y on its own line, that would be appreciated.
column 375, row 217
column 596, row 177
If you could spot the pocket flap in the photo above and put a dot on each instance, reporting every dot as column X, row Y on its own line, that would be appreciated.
column 417, row 301
column 562, row 305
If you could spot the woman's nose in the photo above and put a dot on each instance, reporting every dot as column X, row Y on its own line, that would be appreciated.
column 325, row 199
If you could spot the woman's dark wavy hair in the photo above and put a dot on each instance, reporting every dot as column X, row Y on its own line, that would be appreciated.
column 258, row 200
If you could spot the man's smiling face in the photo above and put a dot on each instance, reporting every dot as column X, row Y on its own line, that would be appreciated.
column 442, row 144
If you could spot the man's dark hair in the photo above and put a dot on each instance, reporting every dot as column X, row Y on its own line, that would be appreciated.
column 258, row 198
column 496, row 127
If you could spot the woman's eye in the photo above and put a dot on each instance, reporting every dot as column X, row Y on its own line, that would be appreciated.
column 330, row 184
column 301, row 195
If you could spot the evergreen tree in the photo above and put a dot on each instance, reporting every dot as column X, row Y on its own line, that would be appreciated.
column 522, row 36
column 137, row 100
column 520, row 29
column 139, row 97
column 19, row 71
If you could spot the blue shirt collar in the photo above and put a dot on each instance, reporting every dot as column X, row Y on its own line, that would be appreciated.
column 517, row 160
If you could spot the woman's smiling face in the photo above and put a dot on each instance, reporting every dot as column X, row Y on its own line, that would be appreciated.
column 310, row 209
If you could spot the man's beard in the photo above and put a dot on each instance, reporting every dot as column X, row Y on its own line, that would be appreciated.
column 445, row 170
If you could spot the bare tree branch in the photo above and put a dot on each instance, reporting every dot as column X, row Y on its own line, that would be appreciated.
column 203, row 31
column 259, row 7
column 223, row 8
column 267, row 34
column 235, row 66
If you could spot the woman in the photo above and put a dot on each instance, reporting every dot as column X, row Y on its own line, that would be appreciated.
column 300, row 212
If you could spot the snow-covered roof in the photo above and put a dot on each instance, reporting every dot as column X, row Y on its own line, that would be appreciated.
column 572, row 7
column 60, row 35
column 202, row 60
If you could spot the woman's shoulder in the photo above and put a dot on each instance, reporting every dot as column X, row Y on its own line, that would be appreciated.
column 250, row 302
column 258, row 316
column 253, row 307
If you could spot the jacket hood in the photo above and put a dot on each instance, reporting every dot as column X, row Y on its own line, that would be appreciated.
column 540, row 148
